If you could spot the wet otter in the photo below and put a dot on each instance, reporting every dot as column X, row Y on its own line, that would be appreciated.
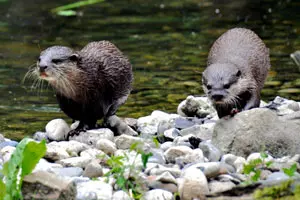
column 90, row 84
column 237, row 66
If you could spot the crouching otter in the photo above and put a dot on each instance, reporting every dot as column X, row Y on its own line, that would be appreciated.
column 90, row 84
column 237, row 66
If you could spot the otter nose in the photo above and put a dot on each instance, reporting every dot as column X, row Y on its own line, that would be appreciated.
column 42, row 68
column 217, row 97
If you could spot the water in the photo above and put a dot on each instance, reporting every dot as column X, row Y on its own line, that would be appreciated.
column 167, row 43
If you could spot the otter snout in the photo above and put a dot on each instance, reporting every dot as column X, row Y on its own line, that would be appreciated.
column 42, row 68
column 217, row 95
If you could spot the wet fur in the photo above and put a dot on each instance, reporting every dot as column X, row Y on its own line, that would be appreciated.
column 243, row 50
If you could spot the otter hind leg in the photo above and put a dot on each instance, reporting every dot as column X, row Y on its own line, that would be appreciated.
column 82, row 127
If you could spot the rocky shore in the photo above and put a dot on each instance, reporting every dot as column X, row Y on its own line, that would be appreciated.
column 191, row 155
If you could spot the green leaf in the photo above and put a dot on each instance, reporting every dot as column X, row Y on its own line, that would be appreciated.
column 256, row 176
column 263, row 155
column 2, row 189
column 66, row 13
column 156, row 142
column 75, row 5
column 290, row 171
column 22, row 162
column 121, row 182
column 145, row 158
column 134, row 146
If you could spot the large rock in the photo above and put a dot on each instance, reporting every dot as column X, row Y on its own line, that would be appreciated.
column 57, row 129
column 44, row 185
column 91, row 137
column 254, row 130
column 157, row 194
column 91, row 190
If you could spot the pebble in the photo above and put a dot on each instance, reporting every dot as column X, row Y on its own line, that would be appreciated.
column 57, row 129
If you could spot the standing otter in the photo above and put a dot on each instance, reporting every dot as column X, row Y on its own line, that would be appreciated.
column 90, row 84
column 237, row 66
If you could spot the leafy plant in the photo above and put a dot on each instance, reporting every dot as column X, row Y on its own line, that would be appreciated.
column 253, row 168
column 127, row 175
column 22, row 162
column 66, row 10
column 290, row 171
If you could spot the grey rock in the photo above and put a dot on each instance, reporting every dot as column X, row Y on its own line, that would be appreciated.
column 165, row 125
column 119, row 126
column 2, row 138
column 253, row 130
column 39, row 136
column 8, row 143
column 157, row 194
column 203, row 131
column 275, row 178
column 165, row 146
column 125, row 141
column 195, row 106
column 176, row 152
column 44, row 165
column 166, row 177
column 254, row 156
column 121, row 195
column 106, row 146
column 213, row 169
column 57, row 129
column 96, row 189
column 75, row 162
column 236, row 161
column 157, row 170
column 132, row 122
column 186, row 122
column 157, row 156
column 193, row 184
column 172, row 133
column 67, row 171
column 91, row 137
column 218, row 187
column 195, row 157
column 93, row 170
column 93, row 153
column 45, row 185
column 6, row 152
column 212, row 153
column 183, row 141
column 153, row 183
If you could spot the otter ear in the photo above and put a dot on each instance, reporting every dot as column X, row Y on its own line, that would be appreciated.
column 238, row 74
column 74, row 57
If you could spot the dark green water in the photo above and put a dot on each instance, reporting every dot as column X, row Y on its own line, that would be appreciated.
column 166, row 41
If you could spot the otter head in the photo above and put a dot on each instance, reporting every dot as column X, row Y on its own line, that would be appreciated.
column 58, row 66
column 221, row 83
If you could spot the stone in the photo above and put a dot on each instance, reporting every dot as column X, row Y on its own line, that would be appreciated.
column 166, row 177
column 203, row 132
column 186, row 122
column 218, row 187
column 119, row 126
column 157, row 194
column 153, row 183
column 90, row 137
column 254, row 156
column 196, row 156
column 175, row 152
column 195, row 106
column 275, row 178
column 57, row 130
column 55, row 153
column 121, row 195
column 97, row 190
column 39, row 136
column 44, row 165
column 45, row 185
column 125, row 141
column 8, row 142
column 165, row 125
column 172, row 133
column 93, row 153
column 165, row 146
column 93, row 170
column 157, row 156
column 75, row 162
column 284, row 106
column 256, row 129
column 6, row 152
column 67, row 171
column 106, row 146
column 183, row 141
column 212, row 153
column 193, row 184
column 157, row 170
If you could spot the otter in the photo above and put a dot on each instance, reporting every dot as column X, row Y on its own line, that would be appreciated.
column 90, row 84
column 237, row 66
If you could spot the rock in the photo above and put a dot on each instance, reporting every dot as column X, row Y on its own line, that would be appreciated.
column 203, row 132
column 91, row 137
column 6, row 152
column 172, row 133
column 97, row 190
column 106, row 146
column 165, row 146
column 75, row 162
column 186, row 122
column 166, row 177
column 195, row 106
column 39, row 136
column 218, row 187
column 67, row 171
column 125, row 141
column 176, row 152
column 195, row 157
column 165, row 125
column 254, row 156
column 157, row 170
column 153, row 183
column 212, row 153
column 193, row 184
column 132, row 122
column 253, row 130
column 93, row 153
column 157, row 156
column 121, row 195
column 93, row 170
column 130, row 158
column 44, row 165
column 183, row 141
column 236, row 161
column 8, row 142
column 157, row 194
column 283, row 106
column 57, row 129
column 275, row 178
column 45, row 185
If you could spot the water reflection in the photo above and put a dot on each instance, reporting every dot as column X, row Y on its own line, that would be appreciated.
column 166, row 41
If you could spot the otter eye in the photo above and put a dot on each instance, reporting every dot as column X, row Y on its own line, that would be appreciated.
column 56, row 61
column 238, row 73
column 226, row 86
column 208, row 87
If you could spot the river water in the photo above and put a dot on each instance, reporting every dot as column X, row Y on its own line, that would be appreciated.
column 167, row 43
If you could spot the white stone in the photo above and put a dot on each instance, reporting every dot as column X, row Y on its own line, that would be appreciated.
column 106, row 146
column 175, row 152
column 158, row 194
column 103, row 191
column 6, row 152
column 93, row 153
column 121, row 195
column 44, row 165
column 91, row 137
column 125, row 141
column 57, row 129
column 254, row 156
column 75, row 162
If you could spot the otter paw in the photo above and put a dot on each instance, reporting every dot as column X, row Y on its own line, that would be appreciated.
column 74, row 132
column 194, row 141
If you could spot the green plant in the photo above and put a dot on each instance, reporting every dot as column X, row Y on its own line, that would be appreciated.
column 66, row 10
column 290, row 171
column 22, row 162
column 127, row 175
column 254, row 167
